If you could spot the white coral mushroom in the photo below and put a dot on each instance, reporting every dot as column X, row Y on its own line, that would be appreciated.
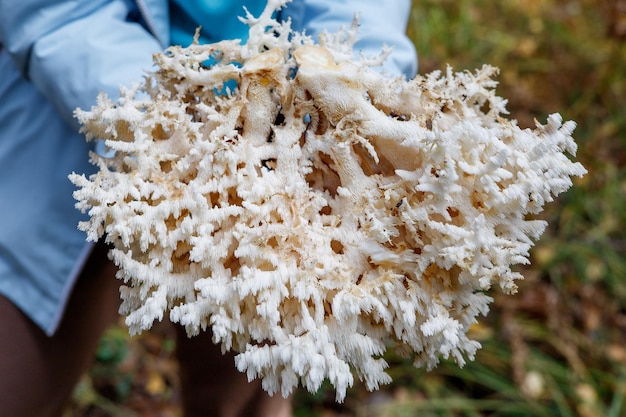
column 320, row 210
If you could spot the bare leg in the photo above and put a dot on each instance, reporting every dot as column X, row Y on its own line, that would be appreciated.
column 212, row 386
column 37, row 372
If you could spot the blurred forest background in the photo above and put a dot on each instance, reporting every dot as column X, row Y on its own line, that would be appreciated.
column 558, row 347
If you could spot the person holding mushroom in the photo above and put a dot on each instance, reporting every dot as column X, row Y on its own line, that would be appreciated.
column 58, row 292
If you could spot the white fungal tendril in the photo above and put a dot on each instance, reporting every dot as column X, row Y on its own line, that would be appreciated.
column 319, row 210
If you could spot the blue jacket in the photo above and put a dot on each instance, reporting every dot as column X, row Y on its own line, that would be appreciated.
column 57, row 55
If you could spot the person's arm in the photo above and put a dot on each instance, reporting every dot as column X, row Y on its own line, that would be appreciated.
column 380, row 22
column 72, row 50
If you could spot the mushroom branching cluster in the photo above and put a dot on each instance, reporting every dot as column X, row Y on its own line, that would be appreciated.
column 318, row 211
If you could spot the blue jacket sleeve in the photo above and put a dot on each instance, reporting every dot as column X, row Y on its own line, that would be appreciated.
column 72, row 50
column 380, row 22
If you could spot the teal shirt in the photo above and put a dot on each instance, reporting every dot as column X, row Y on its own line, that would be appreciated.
column 218, row 19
